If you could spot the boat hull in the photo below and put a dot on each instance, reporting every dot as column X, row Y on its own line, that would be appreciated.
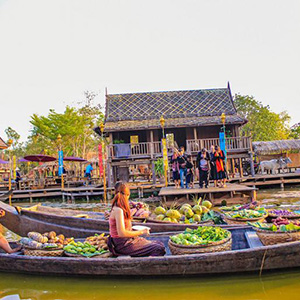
column 237, row 261
column 26, row 220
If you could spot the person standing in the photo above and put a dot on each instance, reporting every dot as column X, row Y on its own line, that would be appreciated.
column 88, row 172
column 189, row 173
column 213, row 170
column 219, row 158
column 182, row 166
column 175, row 169
column 203, row 165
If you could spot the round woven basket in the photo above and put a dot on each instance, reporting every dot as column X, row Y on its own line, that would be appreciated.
column 274, row 237
column 104, row 255
column 284, row 216
column 220, row 246
column 206, row 223
column 35, row 252
column 242, row 222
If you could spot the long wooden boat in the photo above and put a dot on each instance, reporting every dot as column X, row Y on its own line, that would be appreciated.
column 44, row 219
column 247, row 255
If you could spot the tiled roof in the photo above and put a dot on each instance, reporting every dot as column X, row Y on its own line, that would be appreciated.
column 2, row 144
column 179, row 108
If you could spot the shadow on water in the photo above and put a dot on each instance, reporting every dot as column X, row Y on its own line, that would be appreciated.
column 276, row 285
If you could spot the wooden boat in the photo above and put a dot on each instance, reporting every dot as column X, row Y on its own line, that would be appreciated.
column 247, row 255
column 68, row 222
column 5, row 195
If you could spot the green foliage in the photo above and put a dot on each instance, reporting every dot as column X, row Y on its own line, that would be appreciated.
column 75, row 125
column 263, row 124
column 159, row 167
column 295, row 134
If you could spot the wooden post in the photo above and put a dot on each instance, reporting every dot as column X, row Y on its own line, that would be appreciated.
column 195, row 134
column 152, row 158
column 241, row 167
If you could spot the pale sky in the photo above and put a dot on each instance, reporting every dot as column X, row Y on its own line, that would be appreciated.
column 51, row 51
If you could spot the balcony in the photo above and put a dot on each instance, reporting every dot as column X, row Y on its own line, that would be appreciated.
column 233, row 144
column 154, row 150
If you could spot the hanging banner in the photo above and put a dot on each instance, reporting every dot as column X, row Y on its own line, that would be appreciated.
column 100, row 159
column 165, row 159
column 60, row 162
column 14, row 167
column 222, row 142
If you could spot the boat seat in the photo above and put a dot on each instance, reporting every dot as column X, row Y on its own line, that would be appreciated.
column 253, row 239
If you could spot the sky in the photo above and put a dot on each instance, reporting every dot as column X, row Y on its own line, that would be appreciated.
column 52, row 51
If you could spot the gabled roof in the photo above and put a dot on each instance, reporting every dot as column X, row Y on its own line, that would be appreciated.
column 276, row 147
column 2, row 144
column 179, row 108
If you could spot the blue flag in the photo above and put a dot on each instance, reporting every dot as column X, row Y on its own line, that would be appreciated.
column 60, row 162
column 222, row 142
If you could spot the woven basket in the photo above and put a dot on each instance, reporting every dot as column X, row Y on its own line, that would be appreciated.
column 202, row 223
column 274, row 237
column 104, row 255
column 242, row 222
column 284, row 216
column 220, row 246
column 35, row 252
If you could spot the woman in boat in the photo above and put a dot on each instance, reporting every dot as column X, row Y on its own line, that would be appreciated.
column 3, row 242
column 123, row 240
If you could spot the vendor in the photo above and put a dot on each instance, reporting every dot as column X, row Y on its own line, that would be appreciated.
column 3, row 242
column 124, row 241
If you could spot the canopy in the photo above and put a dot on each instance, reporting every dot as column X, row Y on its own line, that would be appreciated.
column 4, row 161
column 23, row 160
column 39, row 158
column 73, row 158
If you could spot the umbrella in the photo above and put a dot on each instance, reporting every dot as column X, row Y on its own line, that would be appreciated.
column 23, row 160
column 39, row 158
column 4, row 161
column 73, row 158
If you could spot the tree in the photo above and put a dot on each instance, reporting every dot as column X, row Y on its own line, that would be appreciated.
column 12, row 135
column 75, row 125
column 295, row 134
column 263, row 124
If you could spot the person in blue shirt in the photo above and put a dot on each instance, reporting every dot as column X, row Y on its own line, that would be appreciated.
column 88, row 171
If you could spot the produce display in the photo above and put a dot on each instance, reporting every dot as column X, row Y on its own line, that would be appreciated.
column 186, row 214
column 46, row 241
column 139, row 209
column 92, row 246
column 251, row 205
column 283, row 212
column 246, row 214
column 203, row 235
column 278, row 225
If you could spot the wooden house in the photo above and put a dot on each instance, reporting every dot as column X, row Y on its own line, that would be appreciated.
column 192, row 119
column 2, row 144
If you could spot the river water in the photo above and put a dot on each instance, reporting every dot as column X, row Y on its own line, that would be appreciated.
column 275, row 285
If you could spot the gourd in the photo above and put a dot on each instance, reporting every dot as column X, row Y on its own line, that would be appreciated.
column 37, row 237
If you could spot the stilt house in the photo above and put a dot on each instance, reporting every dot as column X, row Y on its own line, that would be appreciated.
column 192, row 119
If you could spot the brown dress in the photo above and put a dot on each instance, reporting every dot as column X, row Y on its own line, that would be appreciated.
column 135, row 246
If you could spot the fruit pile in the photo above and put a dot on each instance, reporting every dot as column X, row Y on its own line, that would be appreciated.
column 278, row 225
column 48, row 240
column 98, row 241
column 283, row 212
column 139, row 209
column 186, row 214
column 84, row 249
column 246, row 214
column 203, row 235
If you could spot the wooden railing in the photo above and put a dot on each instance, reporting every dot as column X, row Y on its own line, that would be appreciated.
column 232, row 144
column 134, row 150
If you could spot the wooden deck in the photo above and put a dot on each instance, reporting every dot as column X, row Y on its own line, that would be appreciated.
column 272, row 180
column 232, row 193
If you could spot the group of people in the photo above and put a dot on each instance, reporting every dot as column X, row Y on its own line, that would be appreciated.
column 209, row 166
